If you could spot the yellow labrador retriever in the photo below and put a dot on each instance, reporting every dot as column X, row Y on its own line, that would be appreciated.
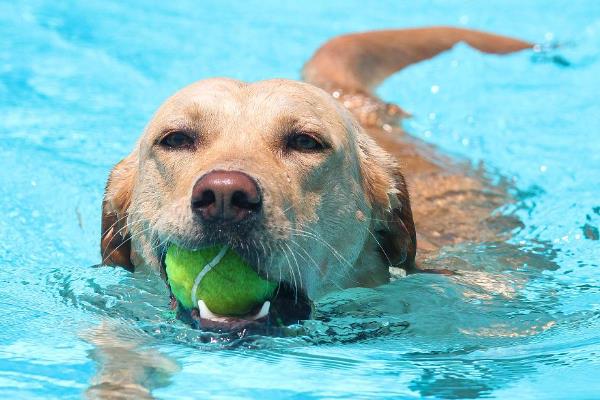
column 305, row 180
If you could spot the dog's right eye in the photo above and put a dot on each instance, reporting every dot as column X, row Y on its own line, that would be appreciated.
column 177, row 140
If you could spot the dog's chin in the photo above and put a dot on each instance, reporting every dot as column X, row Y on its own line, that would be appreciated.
column 289, row 305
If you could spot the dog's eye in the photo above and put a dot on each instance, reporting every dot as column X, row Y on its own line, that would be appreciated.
column 177, row 140
column 304, row 142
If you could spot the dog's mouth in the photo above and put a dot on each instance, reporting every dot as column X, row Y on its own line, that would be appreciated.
column 289, row 305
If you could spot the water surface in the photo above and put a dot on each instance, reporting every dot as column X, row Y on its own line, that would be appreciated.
column 78, row 81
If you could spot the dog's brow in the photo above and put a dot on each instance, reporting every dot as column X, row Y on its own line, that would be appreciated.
column 179, row 125
column 309, row 123
column 193, row 118
column 199, row 112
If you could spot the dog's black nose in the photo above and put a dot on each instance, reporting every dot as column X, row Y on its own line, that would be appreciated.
column 226, row 196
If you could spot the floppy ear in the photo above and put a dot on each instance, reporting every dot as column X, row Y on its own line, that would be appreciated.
column 386, row 191
column 115, row 242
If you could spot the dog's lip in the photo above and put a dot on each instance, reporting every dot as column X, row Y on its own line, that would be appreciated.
column 163, row 265
column 283, row 310
column 206, row 314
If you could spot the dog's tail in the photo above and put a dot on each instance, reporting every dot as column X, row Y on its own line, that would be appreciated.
column 357, row 63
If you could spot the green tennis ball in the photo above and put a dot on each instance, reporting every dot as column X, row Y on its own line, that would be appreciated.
column 228, row 287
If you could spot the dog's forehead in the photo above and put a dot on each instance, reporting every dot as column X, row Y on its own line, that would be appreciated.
column 222, row 98
column 280, row 97
column 284, row 93
column 204, row 96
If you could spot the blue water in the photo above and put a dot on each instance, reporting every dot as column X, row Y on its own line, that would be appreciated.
column 78, row 81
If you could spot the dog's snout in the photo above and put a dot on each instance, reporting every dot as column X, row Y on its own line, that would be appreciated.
column 226, row 196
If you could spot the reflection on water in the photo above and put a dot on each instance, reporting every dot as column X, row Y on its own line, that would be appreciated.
column 127, row 365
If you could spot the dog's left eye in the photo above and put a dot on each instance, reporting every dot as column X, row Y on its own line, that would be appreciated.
column 304, row 142
column 177, row 140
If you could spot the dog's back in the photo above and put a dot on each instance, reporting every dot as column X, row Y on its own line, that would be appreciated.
column 451, row 203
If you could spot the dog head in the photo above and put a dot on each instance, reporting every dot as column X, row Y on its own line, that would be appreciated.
column 278, row 170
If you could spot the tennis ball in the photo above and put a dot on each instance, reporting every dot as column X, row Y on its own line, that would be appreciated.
column 219, row 277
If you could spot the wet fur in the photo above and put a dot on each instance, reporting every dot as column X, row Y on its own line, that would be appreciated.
column 361, row 211
column 360, row 216
column 350, row 206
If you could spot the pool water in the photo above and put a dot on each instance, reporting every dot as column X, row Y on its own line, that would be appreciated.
column 78, row 81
